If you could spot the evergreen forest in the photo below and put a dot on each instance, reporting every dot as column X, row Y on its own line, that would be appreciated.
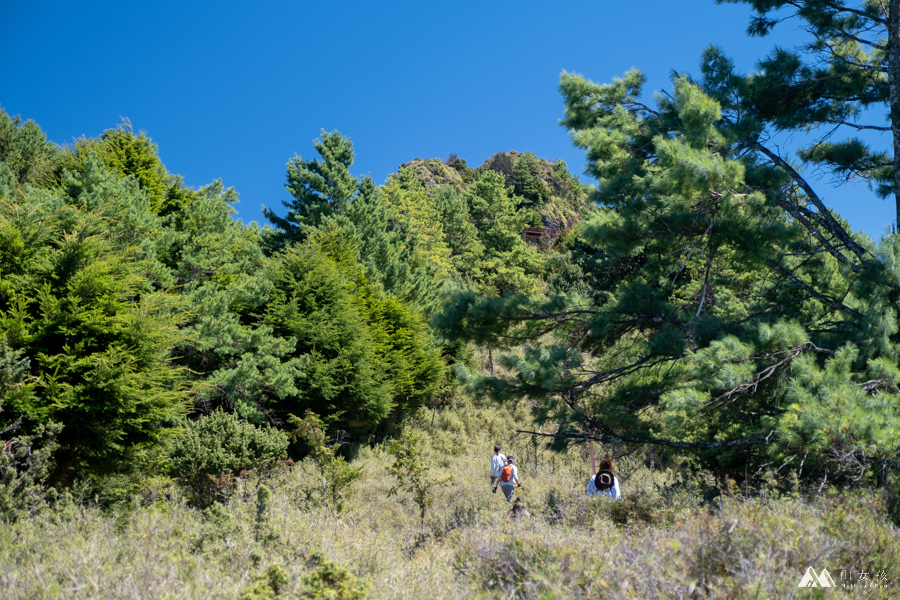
column 196, row 407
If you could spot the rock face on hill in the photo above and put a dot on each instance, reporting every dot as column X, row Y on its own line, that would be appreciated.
column 434, row 171
column 543, row 185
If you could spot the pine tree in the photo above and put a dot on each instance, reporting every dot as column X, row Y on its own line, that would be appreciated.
column 74, row 300
column 319, row 187
column 712, row 318
column 129, row 155
column 409, row 203
column 389, row 249
column 218, row 266
column 26, row 157
column 508, row 263
column 844, row 81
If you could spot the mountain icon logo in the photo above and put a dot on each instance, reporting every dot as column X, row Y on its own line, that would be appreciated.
column 810, row 579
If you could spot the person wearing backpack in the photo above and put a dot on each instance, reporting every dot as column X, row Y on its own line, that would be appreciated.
column 509, row 478
column 497, row 462
column 604, row 482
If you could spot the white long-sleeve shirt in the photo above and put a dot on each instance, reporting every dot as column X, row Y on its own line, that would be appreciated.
column 612, row 492
column 497, row 462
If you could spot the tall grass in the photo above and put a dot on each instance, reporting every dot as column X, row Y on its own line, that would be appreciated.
column 663, row 540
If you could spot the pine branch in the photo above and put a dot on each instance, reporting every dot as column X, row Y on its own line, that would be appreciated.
column 767, row 372
column 831, row 223
column 13, row 426
column 620, row 439
column 856, row 125
column 831, row 302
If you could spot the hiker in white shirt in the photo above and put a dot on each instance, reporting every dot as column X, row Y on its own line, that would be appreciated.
column 509, row 478
column 604, row 482
column 497, row 462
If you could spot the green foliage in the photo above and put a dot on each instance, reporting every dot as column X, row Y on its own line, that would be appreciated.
column 219, row 267
column 434, row 172
column 336, row 474
column 508, row 264
column 26, row 463
column 544, row 186
column 267, row 586
column 130, row 155
column 835, row 85
column 702, row 306
column 320, row 187
column 409, row 203
column 327, row 581
column 389, row 250
column 26, row 157
column 312, row 302
column 460, row 233
column 16, row 388
column 215, row 448
column 365, row 352
column 411, row 472
column 74, row 299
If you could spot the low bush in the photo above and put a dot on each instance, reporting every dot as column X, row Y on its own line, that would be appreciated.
column 216, row 448
column 25, row 463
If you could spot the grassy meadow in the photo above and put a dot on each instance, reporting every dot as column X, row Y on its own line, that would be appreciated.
column 670, row 537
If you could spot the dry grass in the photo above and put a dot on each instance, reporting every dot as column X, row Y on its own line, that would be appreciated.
column 661, row 541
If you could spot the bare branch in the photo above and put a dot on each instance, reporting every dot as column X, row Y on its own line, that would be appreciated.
column 620, row 439
column 831, row 223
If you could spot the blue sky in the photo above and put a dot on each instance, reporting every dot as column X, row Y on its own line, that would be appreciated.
column 233, row 90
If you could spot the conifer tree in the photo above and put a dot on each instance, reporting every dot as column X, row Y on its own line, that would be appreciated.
column 320, row 187
column 365, row 354
column 388, row 249
column 508, row 264
column 408, row 202
column 717, row 319
column 74, row 300
column 129, row 155
column 844, row 81
column 26, row 157
column 218, row 266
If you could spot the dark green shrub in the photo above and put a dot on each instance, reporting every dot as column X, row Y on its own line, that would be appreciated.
column 25, row 464
column 216, row 448
column 268, row 586
column 330, row 582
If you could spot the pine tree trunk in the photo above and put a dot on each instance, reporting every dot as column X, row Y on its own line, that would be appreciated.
column 893, row 24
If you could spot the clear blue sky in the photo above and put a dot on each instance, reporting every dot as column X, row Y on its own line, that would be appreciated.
column 234, row 90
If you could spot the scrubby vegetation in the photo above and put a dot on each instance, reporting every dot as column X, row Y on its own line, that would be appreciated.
column 673, row 534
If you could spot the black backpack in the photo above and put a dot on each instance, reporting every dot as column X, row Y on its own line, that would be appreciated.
column 604, row 480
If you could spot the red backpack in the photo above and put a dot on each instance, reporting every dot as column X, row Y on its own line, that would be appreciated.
column 506, row 474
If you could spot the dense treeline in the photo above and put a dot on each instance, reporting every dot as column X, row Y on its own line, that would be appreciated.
column 701, row 299
column 130, row 301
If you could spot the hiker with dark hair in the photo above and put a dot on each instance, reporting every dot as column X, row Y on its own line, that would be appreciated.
column 497, row 462
column 509, row 478
column 518, row 510
column 604, row 482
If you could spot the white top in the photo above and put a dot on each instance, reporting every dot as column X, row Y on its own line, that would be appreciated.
column 514, row 479
column 612, row 492
column 497, row 462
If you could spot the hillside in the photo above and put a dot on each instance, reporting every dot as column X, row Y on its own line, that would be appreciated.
column 665, row 538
